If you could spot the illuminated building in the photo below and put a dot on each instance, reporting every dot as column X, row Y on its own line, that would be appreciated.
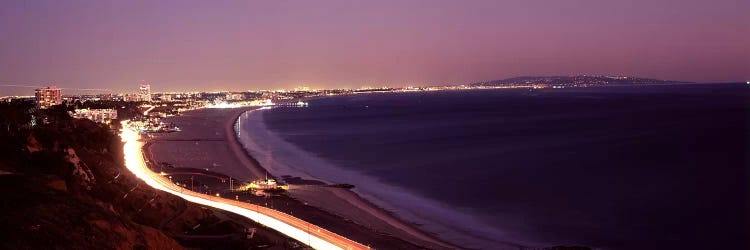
column 235, row 97
column 166, row 97
column 131, row 98
column 145, row 92
column 98, row 115
column 48, row 97
column 267, row 184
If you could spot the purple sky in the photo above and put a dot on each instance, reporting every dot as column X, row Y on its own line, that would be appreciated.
column 240, row 45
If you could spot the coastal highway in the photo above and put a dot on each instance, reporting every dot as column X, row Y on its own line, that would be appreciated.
column 305, row 232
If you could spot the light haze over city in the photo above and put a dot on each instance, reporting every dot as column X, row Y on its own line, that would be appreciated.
column 247, row 45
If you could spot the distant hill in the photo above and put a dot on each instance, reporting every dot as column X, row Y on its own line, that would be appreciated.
column 571, row 81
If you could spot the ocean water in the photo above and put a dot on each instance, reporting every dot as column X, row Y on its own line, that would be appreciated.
column 648, row 167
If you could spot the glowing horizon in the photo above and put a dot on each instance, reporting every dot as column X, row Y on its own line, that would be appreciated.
column 248, row 45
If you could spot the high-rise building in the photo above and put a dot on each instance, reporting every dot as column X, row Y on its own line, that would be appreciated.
column 48, row 97
column 145, row 92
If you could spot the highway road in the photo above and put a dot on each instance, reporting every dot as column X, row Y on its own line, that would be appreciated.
column 305, row 232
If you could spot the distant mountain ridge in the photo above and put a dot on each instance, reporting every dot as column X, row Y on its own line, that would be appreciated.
column 571, row 81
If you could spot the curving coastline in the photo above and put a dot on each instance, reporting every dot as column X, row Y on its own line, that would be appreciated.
column 213, row 142
column 316, row 237
column 424, row 215
column 344, row 202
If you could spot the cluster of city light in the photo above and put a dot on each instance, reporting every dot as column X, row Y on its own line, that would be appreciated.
column 253, row 103
column 136, row 163
column 226, row 105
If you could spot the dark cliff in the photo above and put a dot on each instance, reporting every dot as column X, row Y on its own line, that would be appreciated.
column 64, row 186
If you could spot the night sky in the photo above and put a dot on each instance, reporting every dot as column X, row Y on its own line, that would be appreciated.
column 241, row 45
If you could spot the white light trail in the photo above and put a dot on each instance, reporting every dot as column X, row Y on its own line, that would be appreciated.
column 135, row 162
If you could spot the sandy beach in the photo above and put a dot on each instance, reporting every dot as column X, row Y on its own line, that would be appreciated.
column 208, row 141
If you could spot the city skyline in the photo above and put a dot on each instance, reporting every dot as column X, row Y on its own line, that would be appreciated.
column 143, row 91
column 193, row 46
column 362, row 125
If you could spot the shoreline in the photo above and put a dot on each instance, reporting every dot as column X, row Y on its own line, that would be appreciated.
column 343, row 203
column 346, row 195
column 279, row 221
column 251, row 163
column 426, row 216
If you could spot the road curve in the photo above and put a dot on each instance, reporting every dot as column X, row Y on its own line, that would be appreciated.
column 305, row 232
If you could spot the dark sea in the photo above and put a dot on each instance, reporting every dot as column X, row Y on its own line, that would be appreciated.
column 644, row 167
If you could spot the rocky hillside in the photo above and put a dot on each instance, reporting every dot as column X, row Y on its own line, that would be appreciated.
column 64, row 185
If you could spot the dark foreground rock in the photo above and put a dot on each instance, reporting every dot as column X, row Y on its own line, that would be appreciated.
column 63, row 185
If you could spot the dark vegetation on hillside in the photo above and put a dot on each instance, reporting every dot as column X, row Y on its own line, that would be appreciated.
column 64, row 186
